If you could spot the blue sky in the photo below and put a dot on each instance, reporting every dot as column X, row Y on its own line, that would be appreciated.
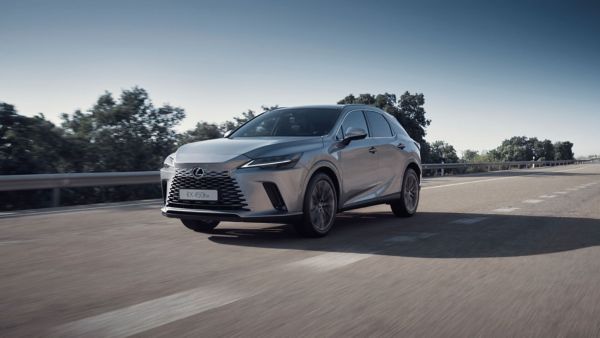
column 489, row 69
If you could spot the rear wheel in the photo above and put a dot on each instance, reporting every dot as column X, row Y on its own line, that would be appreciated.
column 320, row 207
column 200, row 226
column 406, row 205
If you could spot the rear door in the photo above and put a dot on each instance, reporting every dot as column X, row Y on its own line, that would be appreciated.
column 391, row 158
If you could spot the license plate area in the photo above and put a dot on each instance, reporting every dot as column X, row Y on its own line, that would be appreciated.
column 198, row 195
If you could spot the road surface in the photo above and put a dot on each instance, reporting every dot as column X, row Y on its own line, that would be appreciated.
column 496, row 254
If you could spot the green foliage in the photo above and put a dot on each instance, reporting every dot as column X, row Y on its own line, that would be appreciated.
column 29, row 145
column 442, row 152
column 517, row 148
column 521, row 148
column 470, row 156
column 563, row 151
column 128, row 134
column 125, row 135
column 202, row 131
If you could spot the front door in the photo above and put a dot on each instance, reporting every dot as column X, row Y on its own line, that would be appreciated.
column 359, row 163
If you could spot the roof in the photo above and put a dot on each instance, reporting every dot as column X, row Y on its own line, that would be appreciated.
column 332, row 106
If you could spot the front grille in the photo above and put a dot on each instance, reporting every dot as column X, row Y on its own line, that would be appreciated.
column 230, row 196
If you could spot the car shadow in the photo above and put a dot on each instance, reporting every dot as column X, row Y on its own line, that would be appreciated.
column 428, row 235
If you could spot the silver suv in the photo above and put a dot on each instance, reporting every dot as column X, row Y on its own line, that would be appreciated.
column 298, row 165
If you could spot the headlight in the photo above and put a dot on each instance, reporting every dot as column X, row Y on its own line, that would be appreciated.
column 274, row 162
column 169, row 162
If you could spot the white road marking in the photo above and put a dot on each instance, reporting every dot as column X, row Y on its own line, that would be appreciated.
column 401, row 239
column 560, row 192
column 469, row 182
column 495, row 179
column 469, row 220
column 148, row 315
column 16, row 241
column 505, row 210
column 409, row 237
column 7, row 213
column 49, row 212
column 547, row 196
column 532, row 201
column 334, row 260
column 331, row 260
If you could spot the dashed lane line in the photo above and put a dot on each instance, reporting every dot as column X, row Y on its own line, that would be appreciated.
column 50, row 212
column 494, row 179
column 505, row 210
column 153, row 313
column 334, row 260
column 469, row 220
column 331, row 260
column 532, row 201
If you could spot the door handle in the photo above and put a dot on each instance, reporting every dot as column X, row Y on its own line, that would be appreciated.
column 401, row 146
column 372, row 150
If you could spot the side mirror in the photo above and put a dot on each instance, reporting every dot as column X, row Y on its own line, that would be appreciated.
column 353, row 134
column 227, row 133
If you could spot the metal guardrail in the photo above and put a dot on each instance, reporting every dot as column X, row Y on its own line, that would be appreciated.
column 490, row 166
column 73, row 180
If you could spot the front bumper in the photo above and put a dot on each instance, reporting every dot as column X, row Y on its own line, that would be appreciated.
column 247, row 197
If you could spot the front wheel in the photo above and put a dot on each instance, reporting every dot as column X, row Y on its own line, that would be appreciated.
column 320, row 207
column 406, row 205
column 200, row 226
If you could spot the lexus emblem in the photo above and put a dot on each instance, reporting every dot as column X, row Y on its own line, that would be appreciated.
column 198, row 172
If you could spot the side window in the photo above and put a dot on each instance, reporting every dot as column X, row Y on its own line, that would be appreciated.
column 379, row 125
column 355, row 119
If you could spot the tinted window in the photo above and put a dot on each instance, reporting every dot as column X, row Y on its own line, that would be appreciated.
column 290, row 122
column 356, row 120
column 379, row 125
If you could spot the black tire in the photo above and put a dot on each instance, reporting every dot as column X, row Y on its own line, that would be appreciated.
column 319, row 207
column 407, row 204
column 200, row 226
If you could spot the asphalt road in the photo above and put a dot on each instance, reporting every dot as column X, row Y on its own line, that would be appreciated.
column 496, row 254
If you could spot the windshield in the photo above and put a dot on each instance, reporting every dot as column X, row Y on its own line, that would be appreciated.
column 290, row 122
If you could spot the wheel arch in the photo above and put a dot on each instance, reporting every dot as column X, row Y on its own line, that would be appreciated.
column 330, row 170
column 416, row 167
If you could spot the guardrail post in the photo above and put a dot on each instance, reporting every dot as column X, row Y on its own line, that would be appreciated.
column 56, row 197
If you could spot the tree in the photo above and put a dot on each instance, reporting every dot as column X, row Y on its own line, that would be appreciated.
column 29, row 145
column 202, row 131
column 124, row 135
column 521, row 148
column 563, row 151
column 517, row 148
column 470, row 155
column 543, row 150
column 443, row 152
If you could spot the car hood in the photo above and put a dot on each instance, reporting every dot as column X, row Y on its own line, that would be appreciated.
column 225, row 149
